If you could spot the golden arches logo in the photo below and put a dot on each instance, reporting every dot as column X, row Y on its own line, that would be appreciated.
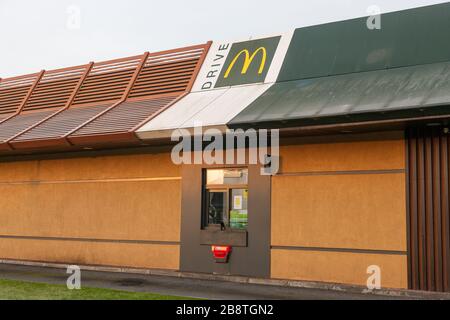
column 248, row 61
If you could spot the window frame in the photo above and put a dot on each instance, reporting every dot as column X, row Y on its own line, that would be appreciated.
column 227, row 188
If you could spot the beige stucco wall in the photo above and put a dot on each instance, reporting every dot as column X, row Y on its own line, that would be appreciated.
column 339, row 267
column 126, row 208
column 338, row 208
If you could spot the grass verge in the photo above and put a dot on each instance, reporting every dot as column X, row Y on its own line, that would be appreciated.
column 18, row 290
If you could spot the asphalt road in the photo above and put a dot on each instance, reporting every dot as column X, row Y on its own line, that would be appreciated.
column 212, row 290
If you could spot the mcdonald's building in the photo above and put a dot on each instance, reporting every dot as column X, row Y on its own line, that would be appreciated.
column 87, row 175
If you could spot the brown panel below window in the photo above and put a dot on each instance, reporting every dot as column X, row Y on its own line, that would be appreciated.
column 213, row 236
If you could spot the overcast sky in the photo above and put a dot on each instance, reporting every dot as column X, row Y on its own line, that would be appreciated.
column 47, row 34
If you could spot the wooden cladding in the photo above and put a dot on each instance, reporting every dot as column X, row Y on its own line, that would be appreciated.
column 99, row 99
column 429, row 218
column 13, row 92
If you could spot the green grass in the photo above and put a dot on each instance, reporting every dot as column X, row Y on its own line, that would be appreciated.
column 17, row 290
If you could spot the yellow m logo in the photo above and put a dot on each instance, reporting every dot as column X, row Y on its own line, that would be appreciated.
column 248, row 61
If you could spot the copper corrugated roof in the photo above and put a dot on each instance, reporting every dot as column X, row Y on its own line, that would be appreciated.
column 98, row 103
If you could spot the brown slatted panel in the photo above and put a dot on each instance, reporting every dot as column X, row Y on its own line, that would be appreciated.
column 62, row 124
column 107, row 81
column 125, row 117
column 54, row 89
column 429, row 211
column 67, row 120
column 13, row 91
column 151, row 81
column 167, row 72
column 164, row 78
column 19, row 123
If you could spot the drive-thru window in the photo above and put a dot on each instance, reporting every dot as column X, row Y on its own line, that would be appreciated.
column 226, row 195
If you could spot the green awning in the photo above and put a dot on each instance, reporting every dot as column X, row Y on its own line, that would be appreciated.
column 407, row 38
column 376, row 95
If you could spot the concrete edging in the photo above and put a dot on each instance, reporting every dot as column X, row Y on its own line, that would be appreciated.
column 243, row 280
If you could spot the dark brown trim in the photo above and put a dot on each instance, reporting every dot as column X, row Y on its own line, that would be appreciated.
column 343, row 250
column 436, row 195
column 146, row 242
column 234, row 238
column 445, row 165
column 408, row 211
column 429, row 214
column 428, row 208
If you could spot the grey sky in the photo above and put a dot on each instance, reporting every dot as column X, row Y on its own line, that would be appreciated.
column 35, row 36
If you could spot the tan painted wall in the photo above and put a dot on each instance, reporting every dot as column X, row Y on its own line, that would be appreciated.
column 339, row 267
column 112, row 167
column 343, row 156
column 333, row 197
column 115, row 198
column 348, row 211
column 93, row 253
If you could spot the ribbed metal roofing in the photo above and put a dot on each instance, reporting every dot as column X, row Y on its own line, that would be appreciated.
column 406, row 38
column 383, row 94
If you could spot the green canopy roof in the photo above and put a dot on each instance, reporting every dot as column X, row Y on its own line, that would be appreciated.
column 344, row 72
column 406, row 38
column 382, row 94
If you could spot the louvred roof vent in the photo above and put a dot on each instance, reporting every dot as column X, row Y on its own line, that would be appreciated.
column 107, row 81
column 13, row 92
column 163, row 79
column 121, row 120
column 14, row 126
column 167, row 72
column 53, row 130
column 54, row 89
column 102, row 103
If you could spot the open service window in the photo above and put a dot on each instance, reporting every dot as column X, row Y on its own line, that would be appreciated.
column 225, row 199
